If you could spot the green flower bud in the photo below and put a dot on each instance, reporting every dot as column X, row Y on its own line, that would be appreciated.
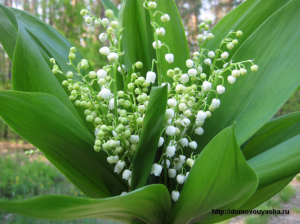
column 100, row 134
column 145, row 89
column 120, row 94
column 76, row 87
column 146, row 84
column 54, row 71
column 83, row 104
column 138, row 91
column 52, row 60
column 77, row 103
column 65, row 83
column 177, row 71
column 72, row 56
column 110, row 31
column 206, row 27
column 98, row 143
column 70, row 87
column 194, row 87
column 107, row 78
column 105, row 146
column 110, row 116
column 127, row 104
column 134, row 76
column 203, row 76
column 109, row 13
column 87, row 112
column 84, row 64
column 121, row 102
column 123, row 113
column 83, row 12
column 235, row 42
column 130, row 86
column 101, row 81
column 73, row 49
column 191, row 93
column 98, row 120
column 170, row 73
column 202, row 25
column 177, row 132
column 114, row 24
column 124, row 120
column 97, row 148
column 139, row 64
column 140, row 121
column 72, row 97
column 209, row 21
column 92, row 74
column 141, row 99
column 89, row 118
column 239, row 33
column 74, row 92
column 118, row 150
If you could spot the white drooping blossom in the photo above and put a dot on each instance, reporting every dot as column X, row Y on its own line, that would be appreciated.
column 113, row 56
column 170, row 130
column 169, row 58
column 184, row 142
column 170, row 113
column 126, row 174
column 134, row 138
column 172, row 173
column 175, row 195
column 105, row 93
column 215, row 103
column 160, row 142
column 156, row 169
column 104, row 50
column 231, row 79
column 172, row 102
column 211, row 54
column 192, row 72
column 170, row 151
column 160, row 31
column 103, row 37
column 165, row 18
column 193, row 145
column 199, row 131
column 168, row 163
column 189, row 63
column 224, row 55
column 159, row 44
column 184, row 78
column 180, row 179
column 206, row 85
column 151, row 76
column 220, row 89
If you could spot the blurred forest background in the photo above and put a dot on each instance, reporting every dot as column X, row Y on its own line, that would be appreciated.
column 36, row 176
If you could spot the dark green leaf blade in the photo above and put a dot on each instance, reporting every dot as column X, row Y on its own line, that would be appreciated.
column 9, row 30
column 219, row 179
column 273, row 133
column 150, row 204
column 153, row 123
column 109, row 5
column 278, row 162
column 45, row 122
column 253, row 99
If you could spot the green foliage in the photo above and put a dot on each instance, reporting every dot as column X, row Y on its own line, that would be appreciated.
column 287, row 193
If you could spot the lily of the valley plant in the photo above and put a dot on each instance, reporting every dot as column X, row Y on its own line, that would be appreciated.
column 159, row 134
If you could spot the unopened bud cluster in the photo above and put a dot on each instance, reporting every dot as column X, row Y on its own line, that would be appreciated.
column 118, row 116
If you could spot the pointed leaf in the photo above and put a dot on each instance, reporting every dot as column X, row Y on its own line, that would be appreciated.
column 153, row 123
column 219, row 179
column 278, row 162
column 45, row 122
column 150, row 204
column 253, row 99
column 273, row 133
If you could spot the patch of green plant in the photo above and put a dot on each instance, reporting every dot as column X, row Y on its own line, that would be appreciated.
column 296, row 209
column 298, row 177
column 287, row 193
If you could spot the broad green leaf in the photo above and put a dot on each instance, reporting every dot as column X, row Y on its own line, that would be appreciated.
column 278, row 162
column 259, row 197
column 45, row 122
column 137, row 37
column 150, row 204
column 273, row 133
column 109, row 5
column 8, row 27
column 153, row 123
column 175, row 38
column 253, row 99
column 219, row 179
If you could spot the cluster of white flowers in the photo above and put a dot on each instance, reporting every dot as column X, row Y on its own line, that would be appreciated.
column 118, row 116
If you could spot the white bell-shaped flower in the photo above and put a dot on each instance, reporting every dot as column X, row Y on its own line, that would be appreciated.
column 152, row 5
column 175, row 195
column 170, row 130
column 112, row 104
column 254, row 68
column 211, row 54
column 101, row 73
column 201, row 115
column 206, row 85
column 190, row 162
column 165, row 18
column 105, row 93
column 192, row 72
column 172, row 102
column 170, row 113
column 120, row 69
column 189, row 63
column 231, row 79
column 172, row 173
column 199, row 131
column 185, row 122
column 224, row 55
column 220, row 89
column 182, row 159
column 180, row 178
column 150, row 77
column 170, row 151
column 160, row 31
column 207, row 61
column 184, row 142
column 235, row 73
column 113, row 57
column 110, row 159
column 184, row 78
column 103, row 37
column 193, row 145
column 159, row 44
column 168, row 163
column 104, row 50
column 169, row 58
column 156, row 169
column 134, row 139
column 127, row 174
column 215, row 103
column 243, row 71
column 161, row 141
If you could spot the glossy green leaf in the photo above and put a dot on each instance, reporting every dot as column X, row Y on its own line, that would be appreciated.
column 137, row 37
column 153, row 123
column 175, row 38
column 8, row 27
column 253, row 99
column 219, row 179
column 150, row 204
column 45, row 122
column 273, row 133
column 109, row 5
column 259, row 197
column 278, row 162
column 50, row 43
